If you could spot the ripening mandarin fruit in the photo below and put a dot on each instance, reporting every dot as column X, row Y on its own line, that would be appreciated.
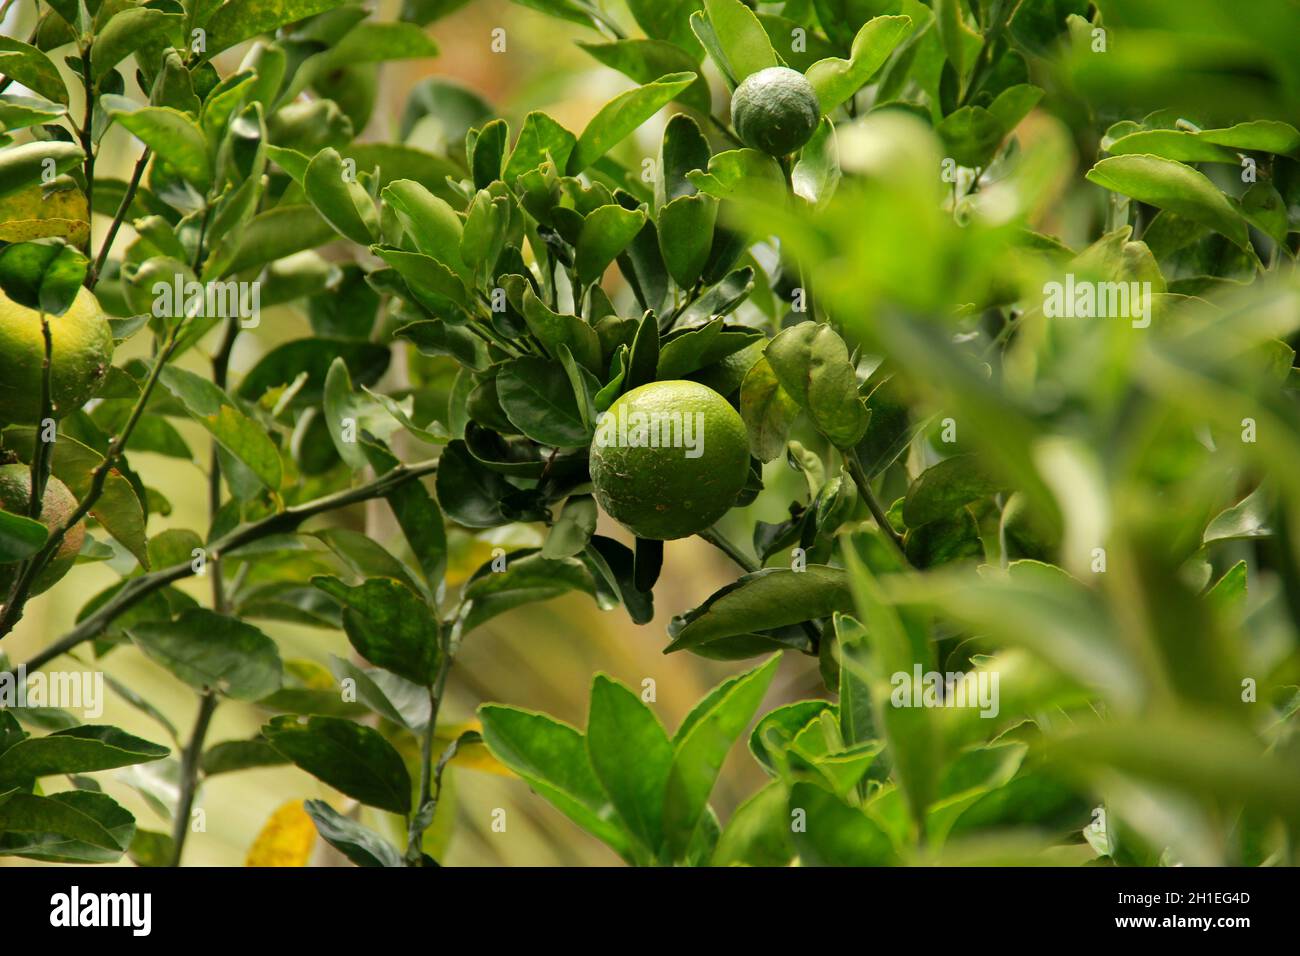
column 775, row 110
column 82, row 350
column 668, row 459
column 57, row 506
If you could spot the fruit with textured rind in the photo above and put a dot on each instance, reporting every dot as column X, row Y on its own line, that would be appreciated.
column 775, row 110
column 686, row 483
column 57, row 506
column 82, row 350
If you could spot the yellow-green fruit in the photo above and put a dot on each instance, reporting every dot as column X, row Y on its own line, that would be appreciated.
column 82, row 350
column 668, row 459
column 775, row 110
column 57, row 506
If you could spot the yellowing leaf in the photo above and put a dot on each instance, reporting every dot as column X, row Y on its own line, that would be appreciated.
column 286, row 839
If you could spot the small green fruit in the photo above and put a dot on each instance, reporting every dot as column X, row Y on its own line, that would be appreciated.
column 775, row 110
column 669, row 459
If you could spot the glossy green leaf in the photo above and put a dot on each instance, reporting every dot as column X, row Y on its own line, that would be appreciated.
column 83, row 749
column 353, row 759
column 606, row 232
column 210, row 651
column 170, row 133
column 552, row 757
column 390, row 626
column 538, row 398
column 232, row 429
column 812, row 364
column 1173, row 186
column 836, row 80
column 631, row 757
column 699, row 752
column 744, row 42
column 340, row 199
column 358, row 843
column 621, row 115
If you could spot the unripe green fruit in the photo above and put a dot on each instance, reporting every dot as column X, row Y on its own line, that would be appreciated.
column 82, row 350
column 686, row 483
column 775, row 110
column 57, row 506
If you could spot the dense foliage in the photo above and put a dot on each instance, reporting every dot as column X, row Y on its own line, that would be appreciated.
column 1003, row 292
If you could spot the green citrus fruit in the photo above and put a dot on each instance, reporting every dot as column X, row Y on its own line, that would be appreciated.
column 668, row 459
column 56, row 507
column 82, row 352
column 775, row 110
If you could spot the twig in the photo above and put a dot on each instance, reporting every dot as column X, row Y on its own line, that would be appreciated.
column 92, row 277
column 138, row 588
column 712, row 536
column 860, row 479
column 190, row 758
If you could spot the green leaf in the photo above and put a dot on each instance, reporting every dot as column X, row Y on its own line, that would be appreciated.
column 210, row 651
column 75, row 750
column 390, row 626
column 269, row 236
column 631, row 757
column 686, row 352
column 760, row 601
column 572, row 531
column 541, row 139
column 32, row 68
column 57, row 847
column 538, row 398
column 836, row 834
column 758, row 833
column 127, row 31
column 744, row 42
column 23, row 166
column 739, row 173
column 470, row 493
column 21, row 112
column 431, row 223
column 1184, row 146
column 1268, row 136
column 366, row 362
column 817, row 173
column 856, row 724
column 238, row 20
column 554, row 329
column 1248, row 518
column 552, row 758
column 232, row 429
column 233, row 755
column 970, row 135
column 836, row 80
column 606, row 232
column 698, row 753
column 942, row 489
column 525, row 580
column 621, row 115
column 339, row 198
column 685, row 228
column 768, row 411
column 682, row 149
column 118, row 509
column 645, row 60
column 361, row 845
column 668, row 20
column 171, row 134
column 1173, row 186
column 46, row 275
column 812, row 364
column 28, row 821
column 353, row 759
column 20, row 537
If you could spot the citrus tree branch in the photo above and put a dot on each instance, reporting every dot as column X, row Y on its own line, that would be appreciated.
column 92, row 277
column 282, row 522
